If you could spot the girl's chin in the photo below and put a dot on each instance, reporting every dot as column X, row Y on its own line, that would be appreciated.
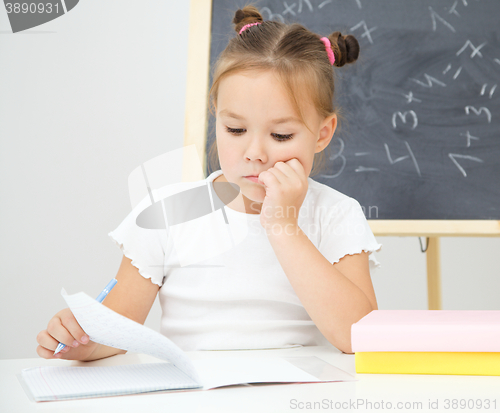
column 255, row 199
column 255, row 195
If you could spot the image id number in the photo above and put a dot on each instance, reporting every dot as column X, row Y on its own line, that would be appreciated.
column 32, row 8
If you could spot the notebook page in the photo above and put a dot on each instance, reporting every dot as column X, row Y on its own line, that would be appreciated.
column 107, row 327
column 72, row 382
column 224, row 371
column 319, row 368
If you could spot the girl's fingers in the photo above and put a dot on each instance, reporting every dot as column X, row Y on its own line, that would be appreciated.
column 46, row 340
column 69, row 322
column 59, row 333
column 64, row 328
column 44, row 353
column 62, row 353
column 49, row 354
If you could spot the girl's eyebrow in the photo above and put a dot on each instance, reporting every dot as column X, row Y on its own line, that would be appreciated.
column 227, row 113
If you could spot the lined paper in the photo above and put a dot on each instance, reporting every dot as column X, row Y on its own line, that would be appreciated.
column 71, row 382
column 107, row 327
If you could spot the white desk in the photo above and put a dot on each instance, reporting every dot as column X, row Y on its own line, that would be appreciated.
column 370, row 388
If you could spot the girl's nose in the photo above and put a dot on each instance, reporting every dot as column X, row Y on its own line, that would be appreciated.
column 256, row 151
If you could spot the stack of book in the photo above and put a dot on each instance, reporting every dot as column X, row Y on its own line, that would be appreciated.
column 428, row 342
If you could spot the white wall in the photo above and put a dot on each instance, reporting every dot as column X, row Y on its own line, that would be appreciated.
column 84, row 100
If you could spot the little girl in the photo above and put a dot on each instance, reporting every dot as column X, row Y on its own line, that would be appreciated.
column 301, row 276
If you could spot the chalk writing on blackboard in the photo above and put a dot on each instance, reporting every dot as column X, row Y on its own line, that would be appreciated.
column 364, row 169
column 492, row 90
column 402, row 158
column 457, row 73
column 402, row 116
column 300, row 5
column 434, row 15
column 411, row 98
column 475, row 50
column 413, row 158
column 430, row 79
column 338, row 155
column 469, row 137
column 453, row 157
column 453, row 9
column 392, row 162
column 479, row 111
column 321, row 5
column 269, row 15
column 367, row 31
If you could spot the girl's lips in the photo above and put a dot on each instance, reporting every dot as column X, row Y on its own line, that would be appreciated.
column 253, row 178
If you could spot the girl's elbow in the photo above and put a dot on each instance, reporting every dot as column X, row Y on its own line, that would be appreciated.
column 346, row 349
column 342, row 344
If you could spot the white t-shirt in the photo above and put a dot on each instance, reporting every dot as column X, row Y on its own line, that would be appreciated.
column 234, row 293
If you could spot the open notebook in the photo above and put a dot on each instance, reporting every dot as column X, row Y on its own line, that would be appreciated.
column 107, row 327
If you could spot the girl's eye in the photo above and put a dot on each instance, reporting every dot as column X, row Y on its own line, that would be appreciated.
column 282, row 138
column 279, row 138
column 235, row 131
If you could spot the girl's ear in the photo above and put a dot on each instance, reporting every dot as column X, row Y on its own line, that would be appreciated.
column 327, row 129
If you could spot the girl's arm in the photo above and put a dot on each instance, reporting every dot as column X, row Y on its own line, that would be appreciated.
column 133, row 297
column 335, row 296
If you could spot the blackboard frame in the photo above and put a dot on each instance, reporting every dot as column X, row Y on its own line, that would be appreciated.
column 196, row 122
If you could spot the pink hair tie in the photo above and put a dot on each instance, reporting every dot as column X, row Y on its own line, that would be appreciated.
column 246, row 26
column 329, row 51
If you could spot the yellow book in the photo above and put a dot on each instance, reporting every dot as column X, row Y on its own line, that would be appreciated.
column 406, row 362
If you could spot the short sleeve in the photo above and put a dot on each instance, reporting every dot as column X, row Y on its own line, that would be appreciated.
column 345, row 230
column 145, row 247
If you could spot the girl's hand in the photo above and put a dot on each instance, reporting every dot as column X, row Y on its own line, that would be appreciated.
column 64, row 328
column 286, row 188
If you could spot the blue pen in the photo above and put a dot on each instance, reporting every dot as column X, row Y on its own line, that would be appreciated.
column 99, row 299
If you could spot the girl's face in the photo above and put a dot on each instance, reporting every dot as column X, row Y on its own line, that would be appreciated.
column 256, row 127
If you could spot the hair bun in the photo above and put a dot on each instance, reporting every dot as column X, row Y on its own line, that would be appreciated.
column 345, row 48
column 249, row 14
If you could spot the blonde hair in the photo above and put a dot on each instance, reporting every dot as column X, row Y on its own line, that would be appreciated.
column 296, row 55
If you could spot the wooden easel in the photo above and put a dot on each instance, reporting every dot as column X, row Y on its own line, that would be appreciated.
column 195, row 133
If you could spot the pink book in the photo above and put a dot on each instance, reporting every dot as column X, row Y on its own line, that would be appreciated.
column 427, row 330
